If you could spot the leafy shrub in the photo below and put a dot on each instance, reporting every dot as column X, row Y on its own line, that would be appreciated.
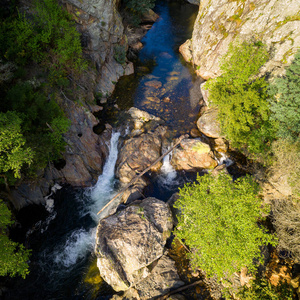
column 261, row 289
column 13, row 256
column 285, row 101
column 219, row 223
column 48, row 37
column 13, row 152
column 120, row 54
column 43, row 122
column 241, row 97
column 138, row 8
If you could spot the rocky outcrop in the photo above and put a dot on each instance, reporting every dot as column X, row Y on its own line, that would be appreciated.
column 138, row 153
column 86, row 151
column 192, row 156
column 130, row 240
column 162, row 279
column 220, row 22
column 208, row 123
column 103, row 39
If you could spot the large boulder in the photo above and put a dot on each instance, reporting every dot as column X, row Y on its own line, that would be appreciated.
column 162, row 279
column 193, row 155
column 208, row 123
column 130, row 240
column 220, row 22
column 138, row 153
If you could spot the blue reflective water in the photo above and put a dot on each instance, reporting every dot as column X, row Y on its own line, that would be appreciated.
column 168, row 88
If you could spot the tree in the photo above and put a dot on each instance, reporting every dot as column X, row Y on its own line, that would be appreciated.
column 13, row 154
column 241, row 97
column 13, row 256
column 219, row 223
column 285, row 102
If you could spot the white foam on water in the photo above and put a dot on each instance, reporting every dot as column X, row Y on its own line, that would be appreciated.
column 168, row 174
column 224, row 159
column 103, row 191
column 77, row 245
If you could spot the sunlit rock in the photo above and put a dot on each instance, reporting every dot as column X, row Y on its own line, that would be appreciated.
column 208, row 123
column 193, row 155
column 130, row 240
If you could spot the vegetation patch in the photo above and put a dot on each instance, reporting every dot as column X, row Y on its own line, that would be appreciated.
column 219, row 217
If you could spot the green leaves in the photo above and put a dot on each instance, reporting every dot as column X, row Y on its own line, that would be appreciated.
column 219, row 223
column 13, row 256
column 241, row 98
column 285, row 102
column 13, row 152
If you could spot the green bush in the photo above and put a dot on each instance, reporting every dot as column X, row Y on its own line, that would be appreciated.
column 48, row 37
column 13, row 256
column 241, row 97
column 43, row 123
column 13, row 152
column 285, row 102
column 138, row 8
column 261, row 289
column 219, row 224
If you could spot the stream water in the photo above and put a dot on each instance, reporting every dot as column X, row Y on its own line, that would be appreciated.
column 62, row 263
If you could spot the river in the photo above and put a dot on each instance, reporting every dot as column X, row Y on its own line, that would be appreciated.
column 63, row 265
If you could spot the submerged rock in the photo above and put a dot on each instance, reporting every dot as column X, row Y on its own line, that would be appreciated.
column 193, row 155
column 130, row 240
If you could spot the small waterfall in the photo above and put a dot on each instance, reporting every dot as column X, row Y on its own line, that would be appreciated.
column 224, row 159
column 80, row 242
column 168, row 173
column 103, row 191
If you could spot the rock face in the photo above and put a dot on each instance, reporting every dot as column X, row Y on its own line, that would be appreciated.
column 208, row 123
column 162, row 279
column 138, row 153
column 103, row 39
column 85, row 151
column 219, row 22
column 193, row 155
column 130, row 240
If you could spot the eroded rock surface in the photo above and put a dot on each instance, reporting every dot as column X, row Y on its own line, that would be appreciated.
column 138, row 153
column 103, row 39
column 219, row 22
column 130, row 240
column 162, row 279
column 208, row 123
column 193, row 155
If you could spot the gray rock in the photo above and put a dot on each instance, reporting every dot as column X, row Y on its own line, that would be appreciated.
column 162, row 279
column 130, row 240
column 219, row 22
column 208, row 123
column 138, row 153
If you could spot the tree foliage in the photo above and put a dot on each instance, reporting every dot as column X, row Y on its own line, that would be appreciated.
column 261, row 289
column 241, row 97
column 43, row 125
column 285, row 102
column 13, row 256
column 13, row 152
column 48, row 37
column 138, row 8
column 219, row 223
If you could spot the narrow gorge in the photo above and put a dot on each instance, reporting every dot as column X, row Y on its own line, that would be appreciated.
column 146, row 87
